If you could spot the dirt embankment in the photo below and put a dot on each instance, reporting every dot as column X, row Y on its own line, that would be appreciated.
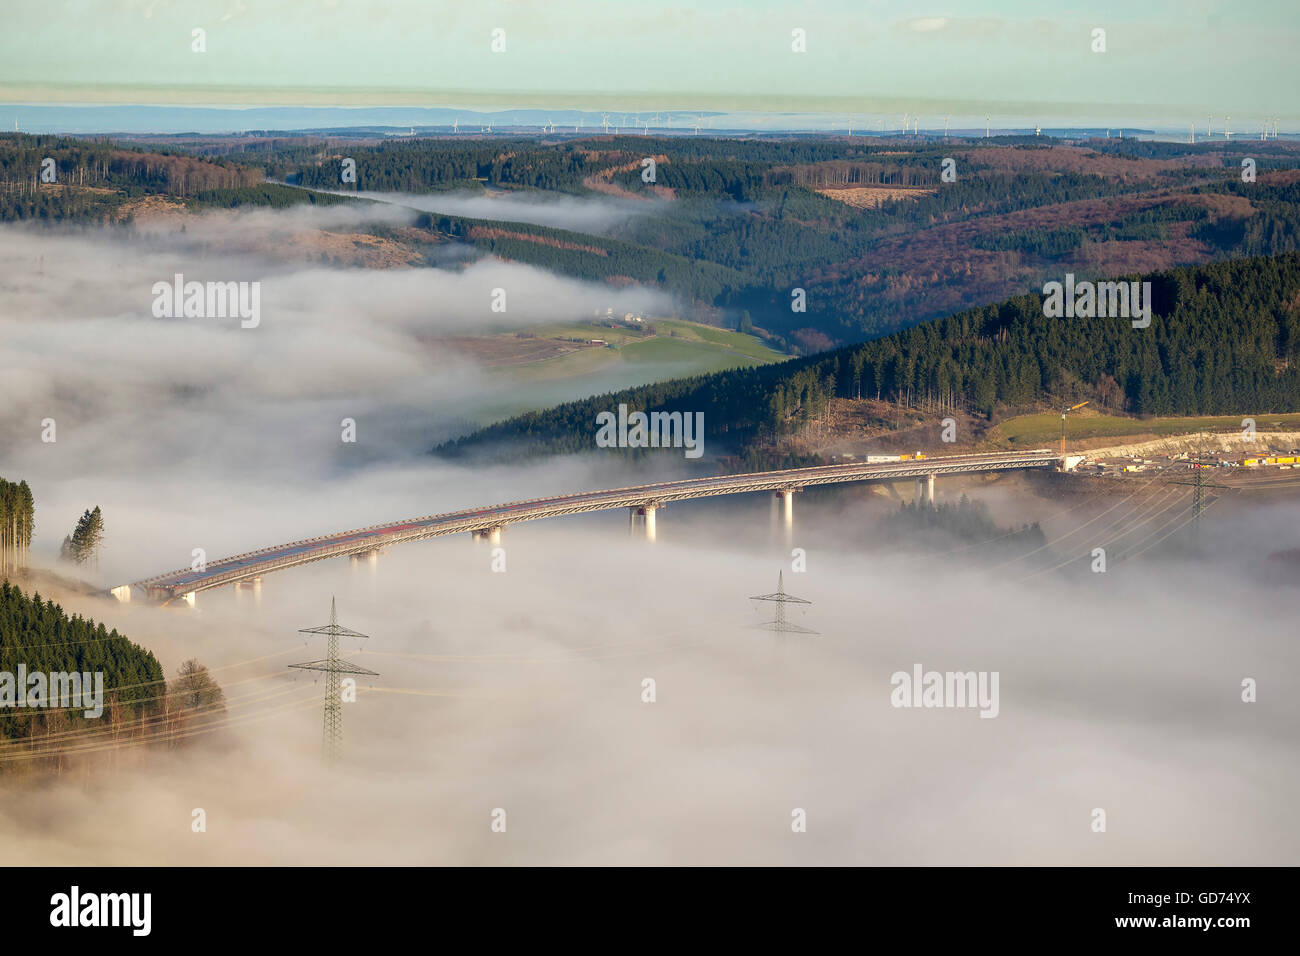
column 1264, row 443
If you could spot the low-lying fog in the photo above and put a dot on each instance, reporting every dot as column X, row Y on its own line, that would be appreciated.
column 522, row 690
column 186, row 423
column 596, row 216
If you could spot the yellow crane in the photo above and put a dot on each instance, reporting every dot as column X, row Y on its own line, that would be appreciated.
column 1064, row 412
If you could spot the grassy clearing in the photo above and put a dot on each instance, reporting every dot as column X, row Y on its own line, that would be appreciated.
column 639, row 360
column 659, row 357
column 678, row 330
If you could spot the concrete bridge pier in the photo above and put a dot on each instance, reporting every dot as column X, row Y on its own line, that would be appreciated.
column 370, row 559
column 927, row 490
column 783, row 505
column 647, row 515
column 491, row 535
column 255, row 585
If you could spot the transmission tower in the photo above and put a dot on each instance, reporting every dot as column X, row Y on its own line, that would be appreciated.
column 781, row 599
column 1199, row 484
column 333, row 667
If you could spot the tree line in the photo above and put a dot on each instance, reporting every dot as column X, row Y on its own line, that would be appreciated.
column 17, row 523
column 80, row 162
column 140, row 705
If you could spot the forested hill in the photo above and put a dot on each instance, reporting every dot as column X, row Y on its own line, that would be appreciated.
column 94, row 181
column 867, row 228
column 39, row 635
column 814, row 241
column 1223, row 339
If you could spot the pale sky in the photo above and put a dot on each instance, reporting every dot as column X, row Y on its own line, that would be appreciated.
column 1166, row 61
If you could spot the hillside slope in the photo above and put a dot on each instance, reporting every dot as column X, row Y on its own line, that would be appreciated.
column 1223, row 340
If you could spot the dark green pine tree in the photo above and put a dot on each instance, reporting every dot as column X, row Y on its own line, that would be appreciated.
column 84, row 543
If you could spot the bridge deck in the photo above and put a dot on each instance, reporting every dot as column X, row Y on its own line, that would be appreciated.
column 255, row 563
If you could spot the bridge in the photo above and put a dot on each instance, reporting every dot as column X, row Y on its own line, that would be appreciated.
column 642, row 501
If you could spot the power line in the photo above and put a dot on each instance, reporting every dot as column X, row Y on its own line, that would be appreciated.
column 197, row 727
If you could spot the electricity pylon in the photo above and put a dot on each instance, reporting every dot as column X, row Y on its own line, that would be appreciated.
column 333, row 667
column 1199, row 484
column 781, row 599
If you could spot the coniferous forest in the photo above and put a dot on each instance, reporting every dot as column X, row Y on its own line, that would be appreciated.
column 140, row 706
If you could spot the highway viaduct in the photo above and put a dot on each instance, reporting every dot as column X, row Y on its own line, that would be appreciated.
column 642, row 501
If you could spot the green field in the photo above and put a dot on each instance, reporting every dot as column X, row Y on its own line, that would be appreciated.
column 667, row 330
column 678, row 350
column 1045, row 429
